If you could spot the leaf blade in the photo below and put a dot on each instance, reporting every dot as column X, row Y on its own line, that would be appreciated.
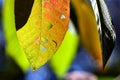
column 43, row 33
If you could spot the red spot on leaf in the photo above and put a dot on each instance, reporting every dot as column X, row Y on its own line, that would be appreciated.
column 54, row 2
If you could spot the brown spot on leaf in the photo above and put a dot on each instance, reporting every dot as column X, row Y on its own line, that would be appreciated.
column 55, row 42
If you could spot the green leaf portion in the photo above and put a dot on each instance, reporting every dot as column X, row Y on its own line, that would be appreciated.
column 13, row 48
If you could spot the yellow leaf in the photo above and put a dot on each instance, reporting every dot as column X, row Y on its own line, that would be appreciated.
column 88, row 30
column 44, row 31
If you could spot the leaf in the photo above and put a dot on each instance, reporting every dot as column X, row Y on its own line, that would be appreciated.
column 44, row 31
column 113, row 64
column 88, row 30
column 108, row 32
column 13, row 48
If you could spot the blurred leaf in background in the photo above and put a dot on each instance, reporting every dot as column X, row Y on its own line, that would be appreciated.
column 88, row 30
column 13, row 48
column 108, row 34
column 9, row 69
column 113, row 66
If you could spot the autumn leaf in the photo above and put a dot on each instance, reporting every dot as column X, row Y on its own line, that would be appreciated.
column 44, row 31
column 88, row 30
